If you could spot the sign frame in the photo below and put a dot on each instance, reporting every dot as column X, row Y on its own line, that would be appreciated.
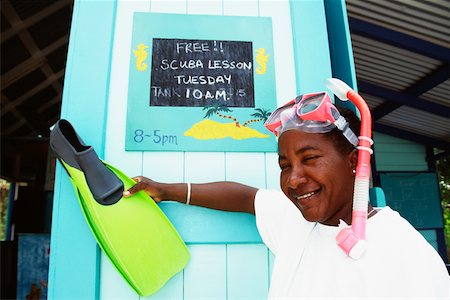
column 215, row 126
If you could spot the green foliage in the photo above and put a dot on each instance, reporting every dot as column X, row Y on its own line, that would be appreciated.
column 215, row 107
column 4, row 191
column 443, row 169
column 261, row 113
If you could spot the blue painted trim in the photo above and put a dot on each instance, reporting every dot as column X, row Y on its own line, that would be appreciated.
column 342, row 61
column 223, row 227
column 74, row 260
column 341, row 51
column 377, row 197
column 421, row 139
column 310, row 42
column 404, row 99
column 398, row 39
column 108, row 74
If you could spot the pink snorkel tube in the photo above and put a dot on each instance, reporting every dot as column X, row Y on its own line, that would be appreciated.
column 353, row 239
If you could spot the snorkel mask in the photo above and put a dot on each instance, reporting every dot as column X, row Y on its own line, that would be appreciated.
column 314, row 113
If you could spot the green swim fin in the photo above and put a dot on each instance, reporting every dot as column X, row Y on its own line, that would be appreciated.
column 133, row 232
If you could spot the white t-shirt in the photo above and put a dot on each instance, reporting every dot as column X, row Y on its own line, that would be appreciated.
column 398, row 264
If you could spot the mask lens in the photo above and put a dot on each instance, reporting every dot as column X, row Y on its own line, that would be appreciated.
column 310, row 104
column 274, row 120
column 275, row 116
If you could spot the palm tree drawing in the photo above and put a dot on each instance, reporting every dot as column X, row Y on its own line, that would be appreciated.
column 215, row 107
column 261, row 114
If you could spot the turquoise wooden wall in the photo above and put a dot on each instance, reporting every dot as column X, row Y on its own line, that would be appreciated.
column 228, row 259
column 398, row 155
column 394, row 154
column 75, row 256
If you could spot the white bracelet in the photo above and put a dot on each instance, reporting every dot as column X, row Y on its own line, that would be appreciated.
column 188, row 197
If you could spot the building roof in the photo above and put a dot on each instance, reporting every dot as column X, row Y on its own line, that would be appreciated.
column 402, row 54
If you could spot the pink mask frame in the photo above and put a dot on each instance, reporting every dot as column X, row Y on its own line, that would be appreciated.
column 313, row 113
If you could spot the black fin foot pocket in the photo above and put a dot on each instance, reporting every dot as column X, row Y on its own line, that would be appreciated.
column 104, row 185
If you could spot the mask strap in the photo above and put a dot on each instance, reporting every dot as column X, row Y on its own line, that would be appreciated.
column 343, row 126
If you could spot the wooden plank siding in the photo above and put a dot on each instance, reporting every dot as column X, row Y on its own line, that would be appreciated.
column 394, row 154
column 224, row 265
column 74, row 260
column 228, row 259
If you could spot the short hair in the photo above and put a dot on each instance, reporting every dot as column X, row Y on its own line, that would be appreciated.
column 336, row 136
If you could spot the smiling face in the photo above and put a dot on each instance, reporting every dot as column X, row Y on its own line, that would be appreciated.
column 316, row 177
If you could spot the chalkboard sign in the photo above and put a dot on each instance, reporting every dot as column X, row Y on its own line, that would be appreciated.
column 200, row 83
column 197, row 72
column 415, row 196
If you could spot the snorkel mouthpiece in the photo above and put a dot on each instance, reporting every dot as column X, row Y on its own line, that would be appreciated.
column 352, row 239
column 338, row 88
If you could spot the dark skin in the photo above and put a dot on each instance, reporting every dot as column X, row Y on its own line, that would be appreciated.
column 315, row 176
column 226, row 195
